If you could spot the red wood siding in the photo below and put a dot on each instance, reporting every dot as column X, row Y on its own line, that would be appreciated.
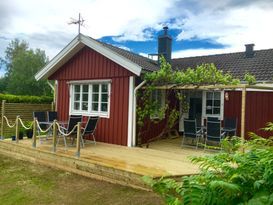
column 258, row 110
column 87, row 65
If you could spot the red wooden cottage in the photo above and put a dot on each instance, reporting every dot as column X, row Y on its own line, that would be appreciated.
column 97, row 79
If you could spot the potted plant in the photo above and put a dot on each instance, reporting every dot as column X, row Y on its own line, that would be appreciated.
column 29, row 132
column 21, row 133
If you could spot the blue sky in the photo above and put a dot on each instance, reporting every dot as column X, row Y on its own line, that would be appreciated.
column 197, row 27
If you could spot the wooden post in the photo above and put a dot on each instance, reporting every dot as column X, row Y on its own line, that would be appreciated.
column 243, row 114
column 2, row 119
column 17, row 128
column 34, row 133
column 54, row 135
column 78, row 139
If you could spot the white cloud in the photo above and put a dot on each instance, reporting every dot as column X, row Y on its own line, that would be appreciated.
column 233, row 28
column 229, row 22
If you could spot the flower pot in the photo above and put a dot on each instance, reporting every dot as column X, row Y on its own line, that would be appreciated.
column 29, row 133
column 13, row 138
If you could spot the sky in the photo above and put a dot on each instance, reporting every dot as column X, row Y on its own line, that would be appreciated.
column 197, row 27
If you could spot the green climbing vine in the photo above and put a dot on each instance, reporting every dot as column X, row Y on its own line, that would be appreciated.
column 166, row 76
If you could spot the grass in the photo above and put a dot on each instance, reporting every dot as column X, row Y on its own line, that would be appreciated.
column 26, row 183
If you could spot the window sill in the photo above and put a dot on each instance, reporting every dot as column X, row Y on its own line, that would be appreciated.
column 92, row 114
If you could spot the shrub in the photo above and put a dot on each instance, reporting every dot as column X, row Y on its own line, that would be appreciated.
column 241, row 174
column 25, row 99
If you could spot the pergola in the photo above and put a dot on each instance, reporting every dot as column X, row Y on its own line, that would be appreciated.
column 243, row 87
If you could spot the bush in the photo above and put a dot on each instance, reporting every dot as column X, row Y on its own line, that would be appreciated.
column 25, row 99
column 241, row 174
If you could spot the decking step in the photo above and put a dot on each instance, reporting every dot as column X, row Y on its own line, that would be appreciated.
column 68, row 162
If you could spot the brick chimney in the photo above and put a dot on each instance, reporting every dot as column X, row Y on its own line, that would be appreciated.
column 249, row 52
column 165, row 45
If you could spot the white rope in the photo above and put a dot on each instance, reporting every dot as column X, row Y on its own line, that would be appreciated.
column 46, row 130
column 27, row 128
column 65, row 134
column 7, row 121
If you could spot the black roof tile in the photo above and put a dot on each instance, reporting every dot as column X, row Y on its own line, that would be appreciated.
column 260, row 65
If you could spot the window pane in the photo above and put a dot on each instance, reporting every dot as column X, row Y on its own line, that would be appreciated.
column 85, row 97
column 217, row 103
column 209, row 95
column 104, row 107
column 77, row 97
column 76, row 105
column 104, row 97
column 209, row 102
column 85, row 106
column 95, row 88
column 95, row 106
column 104, row 87
column 216, row 110
column 95, row 98
column 77, row 88
column 85, row 88
column 217, row 95
column 209, row 111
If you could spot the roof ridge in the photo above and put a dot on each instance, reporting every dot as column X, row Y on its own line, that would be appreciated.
column 124, row 50
column 220, row 54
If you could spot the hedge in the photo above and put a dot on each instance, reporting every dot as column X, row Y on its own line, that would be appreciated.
column 25, row 99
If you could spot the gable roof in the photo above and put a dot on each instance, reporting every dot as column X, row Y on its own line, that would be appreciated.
column 260, row 65
column 131, row 61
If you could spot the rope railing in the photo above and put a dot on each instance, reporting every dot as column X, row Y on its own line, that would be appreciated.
column 65, row 134
column 35, row 125
column 41, row 130
column 7, row 121
column 24, row 126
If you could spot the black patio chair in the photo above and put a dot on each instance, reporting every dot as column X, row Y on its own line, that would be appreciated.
column 214, row 132
column 230, row 126
column 191, row 131
column 42, row 119
column 51, row 116
column 72, row 122
column 90, row 128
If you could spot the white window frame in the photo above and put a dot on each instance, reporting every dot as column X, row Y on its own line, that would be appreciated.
column 219, row 116
column 89, row 111
column 162, row 102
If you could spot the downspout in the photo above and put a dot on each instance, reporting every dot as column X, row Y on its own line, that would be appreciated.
column 134, row 112
column 54, row 94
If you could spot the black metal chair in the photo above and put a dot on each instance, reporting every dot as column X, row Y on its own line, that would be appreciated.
column 191, row 131
column 42, row 119
column 51, row 116
column 72, row 122
column 230, row 126
column 90, row 128
column 214, row 132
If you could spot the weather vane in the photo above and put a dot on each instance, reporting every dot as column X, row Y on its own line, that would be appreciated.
column 79, row 22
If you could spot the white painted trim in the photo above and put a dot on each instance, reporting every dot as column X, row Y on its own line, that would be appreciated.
column 204, row 115
column 76, row 45
column 89, row 81
column 134, row 112
column 62, row 57
column 89, row 112
column 56, row 95
column 130, row 111
column 124, row 62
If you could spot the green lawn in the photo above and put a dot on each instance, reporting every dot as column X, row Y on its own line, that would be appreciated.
column 26, row 183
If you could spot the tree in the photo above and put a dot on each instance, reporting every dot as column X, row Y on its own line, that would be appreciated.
column 21, row 64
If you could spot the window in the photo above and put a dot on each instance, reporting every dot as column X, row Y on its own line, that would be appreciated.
column 90, row 99
column 158, row 98
column 213, row 103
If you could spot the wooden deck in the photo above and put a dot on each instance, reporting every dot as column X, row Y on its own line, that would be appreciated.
column 113, row 163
